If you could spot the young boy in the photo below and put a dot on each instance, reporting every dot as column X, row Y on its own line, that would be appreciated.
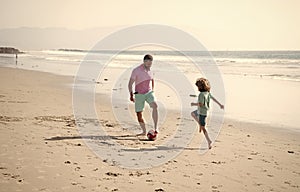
column 203, row 105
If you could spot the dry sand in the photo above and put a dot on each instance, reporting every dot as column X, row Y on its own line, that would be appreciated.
column 41, row 149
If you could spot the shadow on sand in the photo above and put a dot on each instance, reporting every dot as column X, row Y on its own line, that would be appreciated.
column 122, row 137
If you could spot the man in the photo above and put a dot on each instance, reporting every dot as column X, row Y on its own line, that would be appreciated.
column 142, row 76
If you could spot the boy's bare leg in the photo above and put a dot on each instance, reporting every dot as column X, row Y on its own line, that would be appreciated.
column 142, row 124
column 197, row 120
column 206, row 136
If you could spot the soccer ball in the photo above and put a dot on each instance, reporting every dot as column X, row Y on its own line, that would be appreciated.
column 151, row 135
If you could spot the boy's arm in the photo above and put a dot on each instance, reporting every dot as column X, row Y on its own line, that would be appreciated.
column 200, row 102
column 197, row 104
column 215, row 100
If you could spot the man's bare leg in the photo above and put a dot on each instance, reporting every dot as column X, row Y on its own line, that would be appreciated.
column 153, row 105
column 142, row 123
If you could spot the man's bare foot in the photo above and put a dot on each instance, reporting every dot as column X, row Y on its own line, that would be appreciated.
column 141, row 134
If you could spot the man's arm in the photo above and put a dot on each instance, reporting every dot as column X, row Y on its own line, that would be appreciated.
column 130, row 83
column 152, row 84
column 215, row 100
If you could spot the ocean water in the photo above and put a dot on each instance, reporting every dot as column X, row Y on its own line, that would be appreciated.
column 283, row 65
column 260, row 86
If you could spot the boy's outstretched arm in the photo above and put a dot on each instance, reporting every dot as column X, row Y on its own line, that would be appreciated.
column 215, row 100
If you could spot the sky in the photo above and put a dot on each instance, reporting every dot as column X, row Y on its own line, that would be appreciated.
column 218, row 24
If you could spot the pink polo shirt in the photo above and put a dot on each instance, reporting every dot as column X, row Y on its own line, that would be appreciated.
column 142, row 79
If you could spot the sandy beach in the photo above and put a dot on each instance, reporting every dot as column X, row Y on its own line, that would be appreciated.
column 42, row 150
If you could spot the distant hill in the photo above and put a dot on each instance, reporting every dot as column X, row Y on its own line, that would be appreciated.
column 27, row 38
column 10, row 50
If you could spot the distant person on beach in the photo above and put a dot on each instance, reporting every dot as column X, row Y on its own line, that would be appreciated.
column 203, row 105
column 16, row 58
column 142, row 77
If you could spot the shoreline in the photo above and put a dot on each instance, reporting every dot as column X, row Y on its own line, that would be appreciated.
column 70, row 81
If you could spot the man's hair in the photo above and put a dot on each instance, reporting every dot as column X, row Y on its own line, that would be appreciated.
column 203, row 85
column 148, row 57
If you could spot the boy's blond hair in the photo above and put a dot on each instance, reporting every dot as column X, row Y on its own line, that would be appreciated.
column 203, row 84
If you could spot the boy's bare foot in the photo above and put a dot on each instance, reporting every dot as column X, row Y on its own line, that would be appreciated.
column 141, row 134
column 209, row 145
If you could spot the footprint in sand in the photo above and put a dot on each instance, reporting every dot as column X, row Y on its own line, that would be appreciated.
column 139, row 173
column 113, row 174
column 109, row 125
column 17, row 177
column 218, row 162
column 74, row 183
column 214, row 188
column 10, row 119
column 266, row 161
